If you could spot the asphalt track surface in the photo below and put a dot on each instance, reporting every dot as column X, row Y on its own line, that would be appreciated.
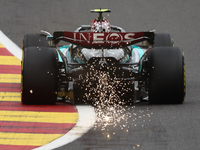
column 150, row 127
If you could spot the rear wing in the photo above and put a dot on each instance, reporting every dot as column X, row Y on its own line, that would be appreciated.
column 103, row 39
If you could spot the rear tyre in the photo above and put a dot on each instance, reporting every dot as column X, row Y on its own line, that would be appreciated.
column 163, row 39
column 166, row 75
column 39, row 75
column 33, row 40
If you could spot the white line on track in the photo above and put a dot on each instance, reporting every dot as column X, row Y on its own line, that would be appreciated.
column 86, row 113
column 10, row 45
column 85, row 122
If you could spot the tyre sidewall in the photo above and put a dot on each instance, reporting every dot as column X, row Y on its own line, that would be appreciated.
column 166, row 75
column 39, row 75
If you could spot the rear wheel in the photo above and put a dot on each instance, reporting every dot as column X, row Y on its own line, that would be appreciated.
column 39, row 75
column 33, row 40
column 163, row 39
column 166, row 75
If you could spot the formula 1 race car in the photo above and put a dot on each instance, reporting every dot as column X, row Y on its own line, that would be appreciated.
column 102, row 62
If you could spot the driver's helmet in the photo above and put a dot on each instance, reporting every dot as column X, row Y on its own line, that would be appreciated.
column 100, row 26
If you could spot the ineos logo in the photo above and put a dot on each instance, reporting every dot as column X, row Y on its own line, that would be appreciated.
column 97, row 38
